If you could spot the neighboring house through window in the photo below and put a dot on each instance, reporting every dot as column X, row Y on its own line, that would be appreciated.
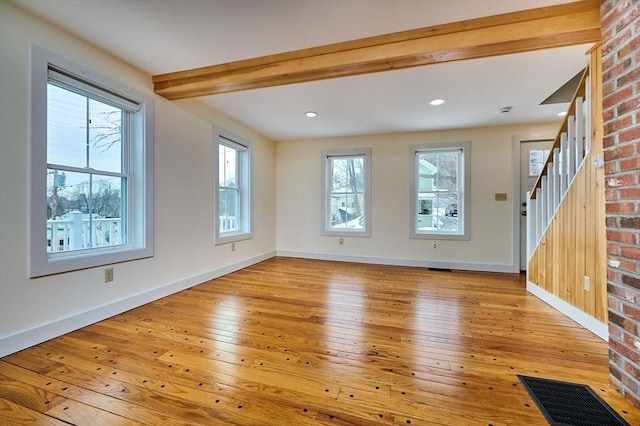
column 233, row 183
column 91, row 169
column 440, row 191
column 346, row 194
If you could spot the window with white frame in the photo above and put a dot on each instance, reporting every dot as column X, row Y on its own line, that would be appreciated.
column 440, row 191
column 346, row 194
column 91, row 169
column 232, row 180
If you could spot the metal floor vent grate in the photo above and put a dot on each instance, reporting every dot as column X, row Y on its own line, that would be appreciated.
column 564, row 403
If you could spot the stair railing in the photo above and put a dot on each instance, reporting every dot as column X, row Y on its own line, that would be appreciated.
column 570, row 148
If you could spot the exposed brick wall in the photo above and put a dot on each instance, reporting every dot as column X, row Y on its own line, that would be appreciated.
column 621, row 115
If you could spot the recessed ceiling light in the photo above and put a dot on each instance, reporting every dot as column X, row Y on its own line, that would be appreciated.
column 562, row 114
column 311, row 114
column 436, row 102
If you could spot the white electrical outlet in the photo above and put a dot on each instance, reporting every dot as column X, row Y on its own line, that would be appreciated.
column 587, row 283
column 341, row 241
column 435, row 246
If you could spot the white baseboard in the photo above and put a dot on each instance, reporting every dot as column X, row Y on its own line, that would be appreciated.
column 464, row 266
column 598, row 328
column 25, row 339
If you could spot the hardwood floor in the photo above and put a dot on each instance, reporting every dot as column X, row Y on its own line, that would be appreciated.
column 297, row 342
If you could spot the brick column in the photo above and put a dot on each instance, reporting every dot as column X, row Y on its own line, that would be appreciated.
column 621, row 115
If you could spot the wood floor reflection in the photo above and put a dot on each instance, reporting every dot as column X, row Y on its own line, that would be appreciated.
column 297, row 342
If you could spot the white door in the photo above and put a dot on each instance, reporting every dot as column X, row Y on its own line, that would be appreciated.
column 533, row 155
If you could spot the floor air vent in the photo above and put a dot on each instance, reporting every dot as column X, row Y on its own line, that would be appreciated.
column 564, row 403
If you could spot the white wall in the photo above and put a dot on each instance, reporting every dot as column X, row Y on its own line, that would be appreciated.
column 33, row 310
column 298, row 206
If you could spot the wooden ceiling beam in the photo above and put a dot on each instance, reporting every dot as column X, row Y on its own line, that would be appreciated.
column 524, row 31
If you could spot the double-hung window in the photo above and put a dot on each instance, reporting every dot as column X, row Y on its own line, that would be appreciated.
column 346, row 195
column 440, row 191
column 232, row 180
column 91, row 169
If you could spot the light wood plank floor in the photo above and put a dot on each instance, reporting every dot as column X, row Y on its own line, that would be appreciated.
column 297, row 342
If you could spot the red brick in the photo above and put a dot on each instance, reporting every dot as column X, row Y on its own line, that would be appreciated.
column 618, row 70
column 608, row 15
column 607, row 88
column 605, row 8
column 630, row 77
column 632, row 312
column 617, row 97
column 629, row 193
column 629, row 105
column 620, row 151
column 628, row 16
column 626, row 179
column 609, row 114
column 610, row 167
column 611, row 21
column 630, row 341
column 612, row 249
column 615, row 384
column 630, row 163
column 623, row 293
column 630, row 47
column 630, row 222
column 612, row 275
column 615, row 332
column 630, row 252
column 614, row 370
column 629, row 383
column 623, row 237
column 633, row 399
column 620, row 208
column 610, row 141
column 624, row 350
column 607, row 63
column 614, row 304
column 632, row 370
column 630, row 134
column 628, row 266
column 631, row 282
column 614, row 357
column 611, row 194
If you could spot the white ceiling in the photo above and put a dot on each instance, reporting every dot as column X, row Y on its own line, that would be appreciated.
column 160, row 36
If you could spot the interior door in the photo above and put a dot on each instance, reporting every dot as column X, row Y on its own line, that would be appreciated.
column 533, row 155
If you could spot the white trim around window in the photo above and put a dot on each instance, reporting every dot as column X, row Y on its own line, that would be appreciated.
column 50, row 250
column 439, row 201
column 346, row 192
column 232, row 207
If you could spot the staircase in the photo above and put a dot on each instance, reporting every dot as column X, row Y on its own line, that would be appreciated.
column 567, row 156
column 566, row 220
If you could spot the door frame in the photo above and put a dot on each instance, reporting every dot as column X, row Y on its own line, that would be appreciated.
column 516, row 142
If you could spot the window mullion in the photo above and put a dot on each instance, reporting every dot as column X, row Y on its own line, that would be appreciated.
column 60, row 167
column 87, row 131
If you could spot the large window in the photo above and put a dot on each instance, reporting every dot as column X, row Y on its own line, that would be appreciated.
column 440, row 185
column 232, row 180
column 91, row 169
column 346, row 195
